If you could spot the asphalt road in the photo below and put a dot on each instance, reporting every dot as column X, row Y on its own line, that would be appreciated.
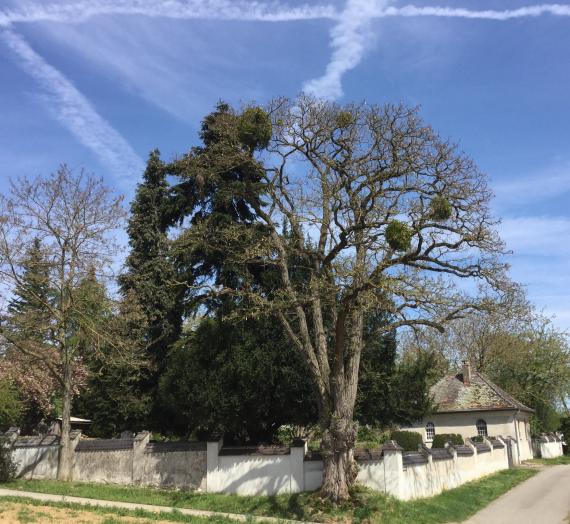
column 543, row 499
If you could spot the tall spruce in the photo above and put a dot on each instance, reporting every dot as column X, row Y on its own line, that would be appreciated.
column 150, row 275
column 28, row 319
column 28, row 313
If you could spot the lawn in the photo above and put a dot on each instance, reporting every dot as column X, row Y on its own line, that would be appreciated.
column 565, row 459
column 366, row 506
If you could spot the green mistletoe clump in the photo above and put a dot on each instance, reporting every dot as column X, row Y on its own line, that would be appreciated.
column 398, row 235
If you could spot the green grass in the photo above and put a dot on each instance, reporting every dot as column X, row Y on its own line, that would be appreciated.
column 565, row 459
column 114, row 514
column 366, row 506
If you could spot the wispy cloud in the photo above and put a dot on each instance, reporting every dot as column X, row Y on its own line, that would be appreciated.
column 551, row 182
column 351, row 36
column 537, row 235
column 74, row 111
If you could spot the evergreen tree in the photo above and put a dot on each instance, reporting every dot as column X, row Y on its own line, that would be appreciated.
column 112, row 395
column 150, row 277
column 28, row 311
column 28, row 320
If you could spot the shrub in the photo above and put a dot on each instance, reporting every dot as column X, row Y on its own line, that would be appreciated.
column 7, row 464
column 440, row 208
column 440, row 440
column 255, row 128
column 370, row 437
column 409, row 440
column 398, row 235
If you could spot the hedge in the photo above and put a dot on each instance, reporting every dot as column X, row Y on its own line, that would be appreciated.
column 440, row 439
column 409, row 440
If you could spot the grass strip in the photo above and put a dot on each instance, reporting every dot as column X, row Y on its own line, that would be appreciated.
column 366, row 506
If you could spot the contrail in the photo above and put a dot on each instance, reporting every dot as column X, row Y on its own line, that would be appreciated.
column 178, row 9
column 487, row 14
column 350, row 38
column 74, row 111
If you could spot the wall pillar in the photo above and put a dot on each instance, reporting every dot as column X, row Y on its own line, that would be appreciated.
column 10, row 436
column 394, row 469
column 213, row 447
column 139, row 444
column 297, row 464
column 74, row 438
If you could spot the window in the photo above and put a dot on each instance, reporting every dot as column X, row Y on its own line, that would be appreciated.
column 430, row 431
column 481, row 428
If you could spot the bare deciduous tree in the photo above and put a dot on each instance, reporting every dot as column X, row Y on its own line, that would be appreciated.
column 382, row 214
column 71, row 216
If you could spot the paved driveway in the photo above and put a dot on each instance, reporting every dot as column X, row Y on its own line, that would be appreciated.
column 543, row 499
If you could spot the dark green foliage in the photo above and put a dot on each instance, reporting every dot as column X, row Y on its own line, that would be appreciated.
column 10, row 406
column 440, row 208
column 440, row 439
column 409, row 440
column 7, row 464
column 477, row 438
column 115, row 396
column 391, row 392
column 254, row 128
column 398, row 235
column 28, row 312
column 150, row 277
column 241, row 378
column 29, row 324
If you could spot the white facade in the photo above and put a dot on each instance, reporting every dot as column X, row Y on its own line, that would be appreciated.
column 499, row 423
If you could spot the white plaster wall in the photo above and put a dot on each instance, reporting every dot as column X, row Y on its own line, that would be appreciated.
column 38, row 462
column 251, row 475
column 372, row 474
column 313, row 473
column 427, row 480
column 499, row 423
column 182, row 469
column 112, row 466
column 551, row 449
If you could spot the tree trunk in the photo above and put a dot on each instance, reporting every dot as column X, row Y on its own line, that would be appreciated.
column 339, row 435
column 64, row 461
column 340, row 470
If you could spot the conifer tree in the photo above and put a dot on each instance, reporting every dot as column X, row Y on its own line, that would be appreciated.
column 150, row 276
column 28, row 319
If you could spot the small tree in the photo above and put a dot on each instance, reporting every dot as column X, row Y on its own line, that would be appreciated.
column 72, row 217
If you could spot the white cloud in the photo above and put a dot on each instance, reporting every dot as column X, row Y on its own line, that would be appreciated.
column 74, row 111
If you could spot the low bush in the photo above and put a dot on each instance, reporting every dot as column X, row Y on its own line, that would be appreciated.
column 440, row 440
column 370, row 437
column 7, row 464
column 409, row 440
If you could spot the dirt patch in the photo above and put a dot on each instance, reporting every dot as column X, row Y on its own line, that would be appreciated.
column 18, row 513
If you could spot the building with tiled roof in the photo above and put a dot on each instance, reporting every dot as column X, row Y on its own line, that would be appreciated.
column 469, row 404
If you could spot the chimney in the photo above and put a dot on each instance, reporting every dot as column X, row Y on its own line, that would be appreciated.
column 466, row 373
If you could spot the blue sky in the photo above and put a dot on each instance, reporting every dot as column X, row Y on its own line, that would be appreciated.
column 99, row 83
